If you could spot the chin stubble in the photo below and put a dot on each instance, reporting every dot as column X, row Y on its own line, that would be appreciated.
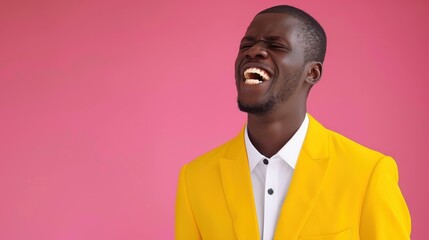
column 257, row 109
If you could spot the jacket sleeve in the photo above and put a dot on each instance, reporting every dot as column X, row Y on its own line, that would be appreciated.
column 385, row 213
column 185, row 227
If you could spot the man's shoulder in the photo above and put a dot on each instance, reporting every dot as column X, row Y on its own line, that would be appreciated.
column 340, row 147
column 352, row 151
column 339, row 141
column 212, row 157
column 348, row 159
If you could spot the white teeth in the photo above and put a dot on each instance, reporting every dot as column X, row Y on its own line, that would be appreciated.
column 265, row 76
column 252, row 81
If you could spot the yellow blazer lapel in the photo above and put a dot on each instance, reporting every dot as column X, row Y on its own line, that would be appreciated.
column 237, row 186
column 306, row 182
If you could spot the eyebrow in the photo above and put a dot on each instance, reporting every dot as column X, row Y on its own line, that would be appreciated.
column 265, row 39
column 274, row 38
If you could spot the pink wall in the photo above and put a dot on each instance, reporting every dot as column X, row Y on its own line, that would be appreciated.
column 101, row 102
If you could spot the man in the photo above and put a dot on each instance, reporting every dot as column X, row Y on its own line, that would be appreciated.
column 285, row 176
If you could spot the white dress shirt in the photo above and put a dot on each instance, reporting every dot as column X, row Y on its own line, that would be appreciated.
column 271, row 178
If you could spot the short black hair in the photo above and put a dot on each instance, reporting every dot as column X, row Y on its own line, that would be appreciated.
column 313, row 34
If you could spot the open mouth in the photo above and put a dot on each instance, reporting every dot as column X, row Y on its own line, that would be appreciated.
column 254, row 75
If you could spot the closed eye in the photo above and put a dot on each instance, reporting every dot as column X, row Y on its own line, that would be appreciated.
column 279, row 47
column 244, row 46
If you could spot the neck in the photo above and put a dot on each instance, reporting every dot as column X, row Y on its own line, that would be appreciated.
column 271, row 131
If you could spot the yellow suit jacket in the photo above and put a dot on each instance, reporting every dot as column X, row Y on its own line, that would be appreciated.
column 339, row 190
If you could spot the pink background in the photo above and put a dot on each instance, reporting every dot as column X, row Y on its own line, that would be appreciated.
column 102, row 102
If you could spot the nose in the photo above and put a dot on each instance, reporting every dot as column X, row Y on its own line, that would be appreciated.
column 257, row 51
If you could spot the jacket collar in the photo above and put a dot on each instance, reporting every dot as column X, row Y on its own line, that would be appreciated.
column 303, row 191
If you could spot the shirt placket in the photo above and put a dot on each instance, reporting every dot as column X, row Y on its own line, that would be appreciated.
column 270, row 197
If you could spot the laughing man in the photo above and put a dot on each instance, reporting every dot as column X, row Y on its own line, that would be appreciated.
column 285, row 176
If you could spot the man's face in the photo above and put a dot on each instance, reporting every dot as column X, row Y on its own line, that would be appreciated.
column 270, row 62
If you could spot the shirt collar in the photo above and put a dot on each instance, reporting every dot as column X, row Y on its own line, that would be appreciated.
column 289, row 152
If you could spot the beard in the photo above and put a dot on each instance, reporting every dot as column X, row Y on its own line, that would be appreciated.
column 285, row 91
column 258, row 109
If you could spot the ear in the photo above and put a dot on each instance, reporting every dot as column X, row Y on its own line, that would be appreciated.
column 314, row 72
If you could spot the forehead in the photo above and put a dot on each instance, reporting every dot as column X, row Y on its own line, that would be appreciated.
column 274, row 25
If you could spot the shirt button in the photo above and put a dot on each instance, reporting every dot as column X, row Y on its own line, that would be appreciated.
column 270, row 191
column 266, row 161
